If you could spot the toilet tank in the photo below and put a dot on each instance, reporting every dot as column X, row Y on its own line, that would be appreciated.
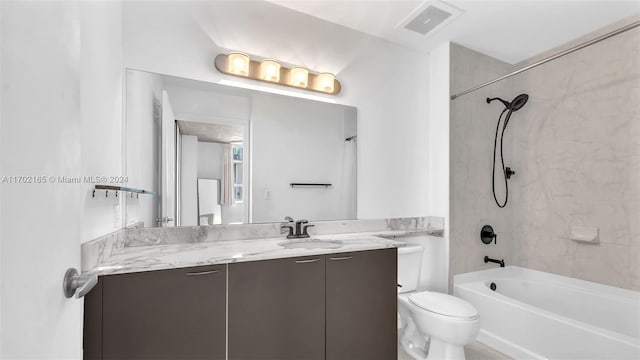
column 409, row 263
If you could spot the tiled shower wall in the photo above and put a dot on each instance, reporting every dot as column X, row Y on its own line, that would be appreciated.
column 472, row 129
column 576, row 149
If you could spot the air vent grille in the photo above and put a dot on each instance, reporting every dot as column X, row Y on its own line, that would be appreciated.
column 427, row 20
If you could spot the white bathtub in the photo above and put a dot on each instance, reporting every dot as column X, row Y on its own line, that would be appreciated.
column 537, row 315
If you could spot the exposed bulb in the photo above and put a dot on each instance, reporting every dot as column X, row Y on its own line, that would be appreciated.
column 299, row 77
column 325, row 82
column 238, row 64
column 270, row 70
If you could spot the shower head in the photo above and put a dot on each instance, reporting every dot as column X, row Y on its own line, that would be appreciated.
column 516, row 104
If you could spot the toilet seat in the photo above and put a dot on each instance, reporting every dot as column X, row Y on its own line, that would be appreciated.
column 444, row 304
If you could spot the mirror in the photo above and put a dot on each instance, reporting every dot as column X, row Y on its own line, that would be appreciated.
column 217, row 154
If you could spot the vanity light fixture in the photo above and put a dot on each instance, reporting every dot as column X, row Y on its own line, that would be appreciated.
column 271, row 71
column 299, row 77
column 238, row 64
column 325, row 82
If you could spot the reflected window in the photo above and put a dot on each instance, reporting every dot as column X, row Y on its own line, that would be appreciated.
column 238, row 191
column 237, row 153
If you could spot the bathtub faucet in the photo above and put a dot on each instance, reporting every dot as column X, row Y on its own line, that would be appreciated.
column 488, row 260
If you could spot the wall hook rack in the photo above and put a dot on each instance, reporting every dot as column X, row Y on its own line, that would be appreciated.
column 117, row 189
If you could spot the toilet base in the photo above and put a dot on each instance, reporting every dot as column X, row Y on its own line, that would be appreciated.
column 439, row 350
column 413, row 342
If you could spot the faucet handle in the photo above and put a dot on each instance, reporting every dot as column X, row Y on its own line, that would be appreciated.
column 291, row 228
column 288, row 219
column 305, row 229
column 302, row 221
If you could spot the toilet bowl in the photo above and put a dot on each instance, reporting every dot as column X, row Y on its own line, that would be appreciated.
column 433, row 325
column 436, row 325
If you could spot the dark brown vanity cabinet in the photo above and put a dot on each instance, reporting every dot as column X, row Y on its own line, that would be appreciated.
column 337, row 306
column 361, row 305
column 276, row 309
column 165, row 314
column 340, row 306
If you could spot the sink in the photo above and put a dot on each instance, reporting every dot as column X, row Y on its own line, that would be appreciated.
column 311, row 244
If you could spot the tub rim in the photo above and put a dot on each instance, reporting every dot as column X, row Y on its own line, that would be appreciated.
column 479, row 287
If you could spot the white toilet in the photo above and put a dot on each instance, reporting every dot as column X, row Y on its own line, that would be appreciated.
column 433, row 325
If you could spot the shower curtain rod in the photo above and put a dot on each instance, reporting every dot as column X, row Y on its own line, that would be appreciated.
column 552, row 57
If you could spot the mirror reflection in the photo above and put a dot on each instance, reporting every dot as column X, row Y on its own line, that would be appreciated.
column 218, row 154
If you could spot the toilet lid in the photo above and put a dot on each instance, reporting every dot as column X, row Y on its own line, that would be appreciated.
column 443, row 304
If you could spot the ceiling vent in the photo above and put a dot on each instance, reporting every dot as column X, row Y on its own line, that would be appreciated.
column 429, row 17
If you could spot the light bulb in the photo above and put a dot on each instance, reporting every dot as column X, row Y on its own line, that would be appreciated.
column 325, row 82
column 299, row 77
column 238, row 64
column 270, row 70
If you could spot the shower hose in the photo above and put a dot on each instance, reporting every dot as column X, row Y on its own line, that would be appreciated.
column 493, row 169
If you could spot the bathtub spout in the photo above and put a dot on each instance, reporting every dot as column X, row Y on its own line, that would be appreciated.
column 488, row 260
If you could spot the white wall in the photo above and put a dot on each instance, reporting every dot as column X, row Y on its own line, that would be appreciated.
column 49, row 51
column 189, row 181
column 200, row 105
column 1, row 174
column 438, row 185
column 389, row 84
column 101, row 88
column 143, row 106
column 296, row 140
column 439, row 101
column 210, row 160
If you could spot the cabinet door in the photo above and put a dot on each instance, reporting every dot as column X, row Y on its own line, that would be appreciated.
column 92, row 326
column 276, row 309
column 168, row 314
column 361, row 305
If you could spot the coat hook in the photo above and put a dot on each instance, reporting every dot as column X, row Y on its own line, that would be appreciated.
column 93, row 194
column 116, row 194
column 137, row 196
column 106, row 193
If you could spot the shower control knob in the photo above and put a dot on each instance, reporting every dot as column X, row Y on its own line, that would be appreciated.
column 487, row 235
column 508, row 172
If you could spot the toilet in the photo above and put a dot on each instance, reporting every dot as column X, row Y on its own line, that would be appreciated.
column 433, row 325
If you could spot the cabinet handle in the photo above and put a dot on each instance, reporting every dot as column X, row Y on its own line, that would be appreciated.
column 306, row 261
column 202, row 273
column 340, row 258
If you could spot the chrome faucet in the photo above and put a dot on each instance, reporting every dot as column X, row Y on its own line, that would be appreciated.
column 299, row 231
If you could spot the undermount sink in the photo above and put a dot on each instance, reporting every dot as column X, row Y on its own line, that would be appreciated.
column 311, row 244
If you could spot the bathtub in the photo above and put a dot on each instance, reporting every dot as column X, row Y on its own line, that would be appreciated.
column 537, row 315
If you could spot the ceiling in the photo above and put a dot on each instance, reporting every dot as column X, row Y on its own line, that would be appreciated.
column 511, row 31
column 207, row 132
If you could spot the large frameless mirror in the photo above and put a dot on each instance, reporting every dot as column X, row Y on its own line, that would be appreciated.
column 216, row 154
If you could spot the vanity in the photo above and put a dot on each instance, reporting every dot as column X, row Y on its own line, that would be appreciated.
column 202, row 268
column 324, row 304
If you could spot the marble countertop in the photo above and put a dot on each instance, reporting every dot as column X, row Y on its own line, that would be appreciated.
column 173, row 256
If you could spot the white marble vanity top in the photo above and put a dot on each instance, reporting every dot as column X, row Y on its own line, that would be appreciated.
column 172, row 256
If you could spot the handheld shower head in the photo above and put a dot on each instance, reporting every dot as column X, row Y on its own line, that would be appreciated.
column 516, row 104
